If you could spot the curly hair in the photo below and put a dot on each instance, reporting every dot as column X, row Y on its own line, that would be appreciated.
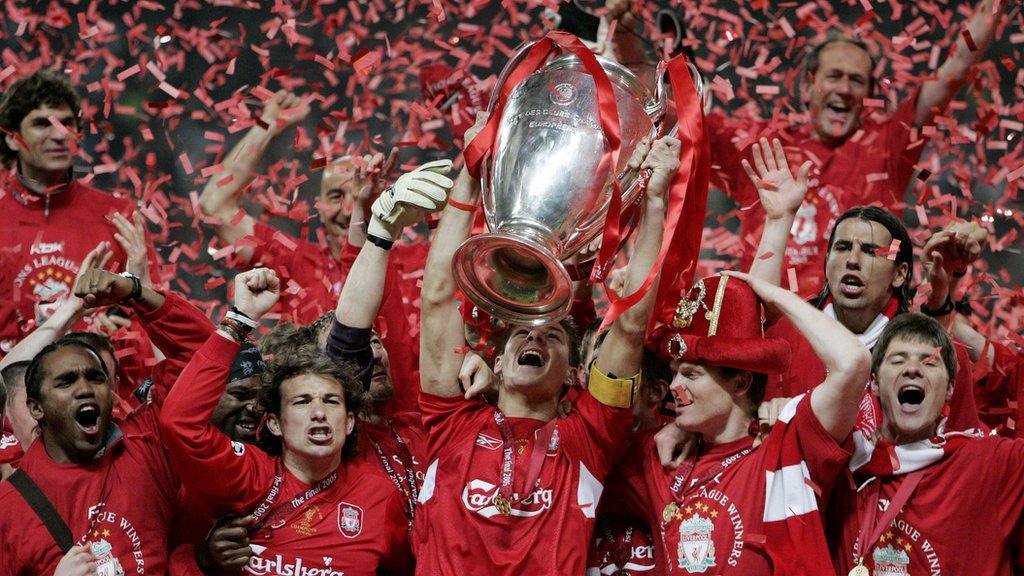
column 299, row 361
column 43, row 88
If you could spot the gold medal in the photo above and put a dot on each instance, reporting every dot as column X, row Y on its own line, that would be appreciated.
column 503, row 505
column 860, row 570
column 670, row 511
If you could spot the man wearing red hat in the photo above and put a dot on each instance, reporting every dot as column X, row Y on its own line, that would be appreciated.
column 731, row 507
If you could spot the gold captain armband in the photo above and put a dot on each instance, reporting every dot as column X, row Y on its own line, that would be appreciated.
column 614, row 392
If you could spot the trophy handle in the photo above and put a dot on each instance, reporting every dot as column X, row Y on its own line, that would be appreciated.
column 698, row 79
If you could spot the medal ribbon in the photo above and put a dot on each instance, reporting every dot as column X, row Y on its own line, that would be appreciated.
column 266, row 513
column 540, row 447
column 678, row 486
column 866, row 541
column 412, row 493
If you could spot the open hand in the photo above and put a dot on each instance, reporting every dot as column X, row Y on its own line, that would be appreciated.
column 781, row 194
column 131, row 235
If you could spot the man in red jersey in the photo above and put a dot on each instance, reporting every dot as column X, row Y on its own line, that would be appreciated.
column 51, row 219
column 857, row 160
column 313, row 273
column 922, row 500
column 514, row 488
column 312, row 506
column 732, row 507
column 108, row 480
column 395, row 443
column 868, row 272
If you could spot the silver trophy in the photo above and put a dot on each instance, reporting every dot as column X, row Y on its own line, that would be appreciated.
column 545, row 193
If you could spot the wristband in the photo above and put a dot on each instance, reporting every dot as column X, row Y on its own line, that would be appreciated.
column 242, row 329
column 136, row 293
column 471, row 208
column 382, row 243
column 946, row 308
column 963, row 306
column 614, row 392
column 232, row 331
column 239, row 316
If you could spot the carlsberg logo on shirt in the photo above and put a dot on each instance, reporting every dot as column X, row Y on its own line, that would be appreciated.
column 280, row 566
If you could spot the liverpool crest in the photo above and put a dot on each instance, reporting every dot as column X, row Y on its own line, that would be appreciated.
column 891, row 561
column 696, row 548
column 350, row 519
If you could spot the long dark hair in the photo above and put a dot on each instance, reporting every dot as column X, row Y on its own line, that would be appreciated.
column 905, row 255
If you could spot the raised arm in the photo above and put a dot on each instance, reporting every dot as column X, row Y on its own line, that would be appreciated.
column 198, row 451
column 835, row 401
column 413, row 196
column 622, row 351
column 441, row 329
column 981, row 27
column 781, row 196
column 221, row 198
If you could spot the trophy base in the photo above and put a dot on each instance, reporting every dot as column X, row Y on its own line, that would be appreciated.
column 513, row 278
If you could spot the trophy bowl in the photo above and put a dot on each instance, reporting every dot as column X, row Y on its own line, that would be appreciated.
column 545, row 189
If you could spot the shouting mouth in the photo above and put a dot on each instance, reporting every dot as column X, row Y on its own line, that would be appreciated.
column 531, row 357
column 851, row 286
column 910, row 398
column 320, row 435
column 87, row 417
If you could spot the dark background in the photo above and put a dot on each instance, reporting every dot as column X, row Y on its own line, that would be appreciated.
column 362, row 59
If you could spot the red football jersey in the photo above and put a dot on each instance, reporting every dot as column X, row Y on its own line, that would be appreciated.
column 964, row 517
column 355, row 526
column 719, row 526
column 459, row 528
column 41, row 248
column 874, row 165
column 120, row 504
column 10, row 449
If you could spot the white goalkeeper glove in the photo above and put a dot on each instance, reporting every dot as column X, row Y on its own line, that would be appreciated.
column 414, row 195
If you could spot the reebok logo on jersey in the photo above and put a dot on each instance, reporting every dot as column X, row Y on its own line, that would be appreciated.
column 487, row 442
column 46, row 248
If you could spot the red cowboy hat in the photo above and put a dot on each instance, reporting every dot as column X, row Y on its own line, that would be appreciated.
column 720, row 322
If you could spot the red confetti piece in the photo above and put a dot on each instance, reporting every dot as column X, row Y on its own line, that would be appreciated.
column 969, row 40
column 185, row 162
